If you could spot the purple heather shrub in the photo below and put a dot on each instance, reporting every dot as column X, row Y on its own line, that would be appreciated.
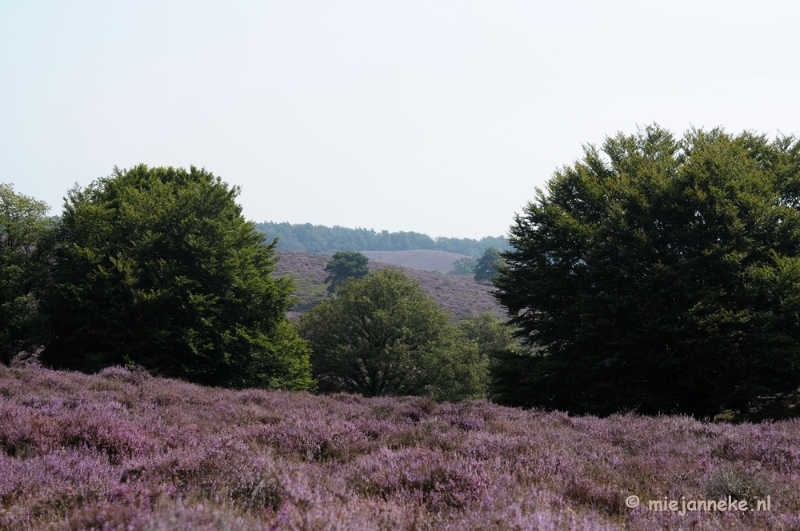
column 314, row 436
column 135, row 375
column 122, row 450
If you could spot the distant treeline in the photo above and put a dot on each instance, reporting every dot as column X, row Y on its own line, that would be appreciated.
column 310, row 238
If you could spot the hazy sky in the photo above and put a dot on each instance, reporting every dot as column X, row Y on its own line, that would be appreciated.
column 437, row 116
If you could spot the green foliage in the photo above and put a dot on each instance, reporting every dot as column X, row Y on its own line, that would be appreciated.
column 489, row 333
column 383, row 336
column 157, row 267
column 507, row 360
column 488, row 264
column 463, row 266
column 310, row 238
column 284, row 362
column 344, row 265
column 24, row 231
column 515, row 377
column 660, row 274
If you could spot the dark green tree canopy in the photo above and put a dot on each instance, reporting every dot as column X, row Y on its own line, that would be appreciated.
column 663, row 275
column 344, row 265
column 487, row 266
column 24, row 229
column 383, row 336
column 157, row 267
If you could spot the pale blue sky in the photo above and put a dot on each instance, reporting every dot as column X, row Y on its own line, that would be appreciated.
column 436, row 116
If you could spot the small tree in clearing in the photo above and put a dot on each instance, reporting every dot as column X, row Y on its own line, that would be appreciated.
column 344, row 265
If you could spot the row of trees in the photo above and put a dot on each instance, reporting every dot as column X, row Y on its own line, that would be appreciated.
column 656, row 274
column 321, row 239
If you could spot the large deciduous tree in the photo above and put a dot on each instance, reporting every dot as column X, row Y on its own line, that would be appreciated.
column 383, row 336
column 157, row 267
column 660, row 274
column 24, row 228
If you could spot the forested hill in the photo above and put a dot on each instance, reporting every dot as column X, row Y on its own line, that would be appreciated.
column 310, row 238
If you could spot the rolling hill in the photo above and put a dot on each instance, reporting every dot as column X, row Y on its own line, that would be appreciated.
column 426, row 260
column 459, row 295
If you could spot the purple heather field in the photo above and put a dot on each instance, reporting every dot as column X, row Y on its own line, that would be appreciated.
column 122, row 450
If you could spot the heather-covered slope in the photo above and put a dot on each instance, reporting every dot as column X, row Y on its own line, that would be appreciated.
column 426, row 260
column 459, row 295
column 122, row 450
